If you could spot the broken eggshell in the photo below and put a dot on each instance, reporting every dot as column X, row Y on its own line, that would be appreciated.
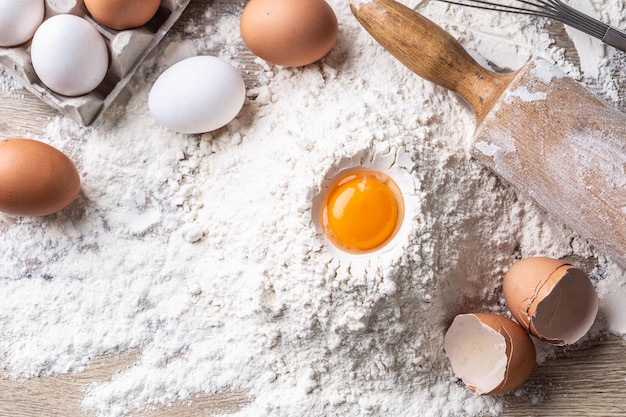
column 550, row 298
column 490, row 353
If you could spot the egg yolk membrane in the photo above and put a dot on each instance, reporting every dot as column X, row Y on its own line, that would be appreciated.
column 362, row 211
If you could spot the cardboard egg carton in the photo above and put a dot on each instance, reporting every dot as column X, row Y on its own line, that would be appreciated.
column 127, row 49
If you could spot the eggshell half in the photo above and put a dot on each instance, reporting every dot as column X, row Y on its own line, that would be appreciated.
column 552, row 299
column 490, row 353
column 36, row 179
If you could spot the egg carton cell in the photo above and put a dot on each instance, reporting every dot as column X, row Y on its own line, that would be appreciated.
column 127, row 49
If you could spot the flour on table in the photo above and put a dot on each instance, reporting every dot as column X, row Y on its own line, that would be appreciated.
column 201, row 251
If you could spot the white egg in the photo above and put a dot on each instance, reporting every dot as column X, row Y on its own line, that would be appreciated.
column 197, row 95
column 19, row 20
column 69, row 55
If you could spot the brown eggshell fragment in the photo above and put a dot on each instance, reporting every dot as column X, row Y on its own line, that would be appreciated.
column 552, row 299
column 287, row 32
column 36, row 179
column 491, row 354
column 122, row 14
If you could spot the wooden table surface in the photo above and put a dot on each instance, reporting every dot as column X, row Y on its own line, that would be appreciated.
column 583, row 381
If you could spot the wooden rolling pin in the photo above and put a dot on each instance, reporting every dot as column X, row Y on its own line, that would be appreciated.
column 539, row 130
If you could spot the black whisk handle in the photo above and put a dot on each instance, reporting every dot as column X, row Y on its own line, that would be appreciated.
column 615, row 38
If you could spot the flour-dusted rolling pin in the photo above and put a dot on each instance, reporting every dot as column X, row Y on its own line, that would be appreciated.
column 536, row 128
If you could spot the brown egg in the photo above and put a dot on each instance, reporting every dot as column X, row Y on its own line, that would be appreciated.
column 35, row 178
column 553, row 300
column 287, row 32
column 490, row 353
column 122, row 14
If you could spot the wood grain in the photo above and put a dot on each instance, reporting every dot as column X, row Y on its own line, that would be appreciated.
column 563, row 147
column 23, row 115
column 60, row 396
column 430, row 52
column 586, row 381
column 583, row 381
column 571, row 166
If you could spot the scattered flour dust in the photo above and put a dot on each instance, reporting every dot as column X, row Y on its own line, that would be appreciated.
column 203, row 252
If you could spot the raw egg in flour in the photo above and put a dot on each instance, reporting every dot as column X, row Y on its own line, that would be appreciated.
column 288, row 32
column 122, row 14
column 362, row 211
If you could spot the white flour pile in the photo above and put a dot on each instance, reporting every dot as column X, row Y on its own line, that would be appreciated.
column 202, row 251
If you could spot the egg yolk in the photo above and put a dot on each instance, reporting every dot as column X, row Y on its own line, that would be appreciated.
column 362, row 211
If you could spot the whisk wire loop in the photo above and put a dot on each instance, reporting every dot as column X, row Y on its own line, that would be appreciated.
column 552, row 9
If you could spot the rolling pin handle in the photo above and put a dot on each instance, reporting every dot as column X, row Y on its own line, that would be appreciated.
column 430, row 52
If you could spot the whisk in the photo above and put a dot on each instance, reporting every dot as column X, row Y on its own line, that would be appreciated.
column 553, row 9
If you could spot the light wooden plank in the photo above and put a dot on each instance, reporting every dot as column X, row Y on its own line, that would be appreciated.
column 587, row 381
